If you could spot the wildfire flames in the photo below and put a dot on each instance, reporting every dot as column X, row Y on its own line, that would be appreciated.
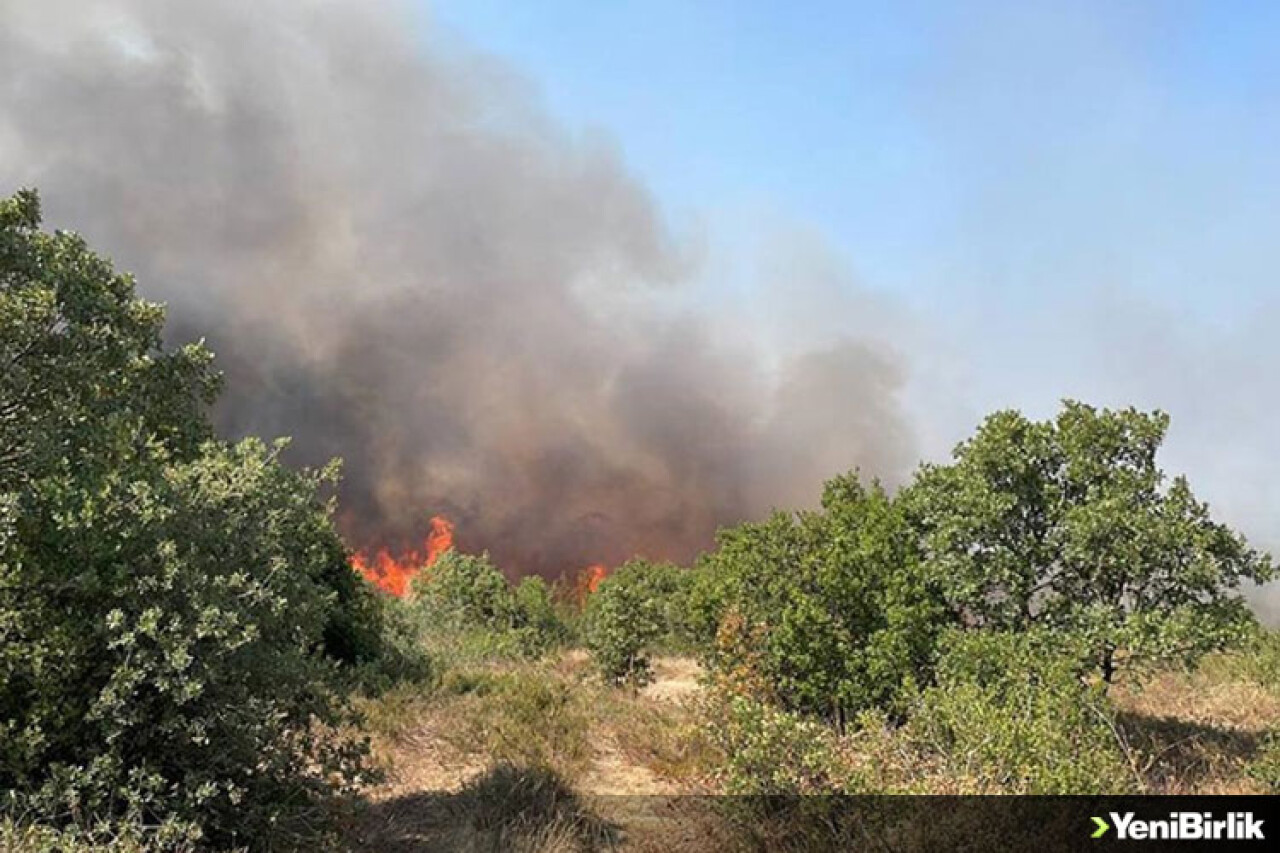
column 393, row 572
column 588, row 580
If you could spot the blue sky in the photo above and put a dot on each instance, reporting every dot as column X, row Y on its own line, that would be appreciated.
column 1020, row 149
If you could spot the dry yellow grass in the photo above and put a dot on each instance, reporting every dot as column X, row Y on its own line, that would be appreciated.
column 1196, row 732
column 567, row 746
column 543, row 758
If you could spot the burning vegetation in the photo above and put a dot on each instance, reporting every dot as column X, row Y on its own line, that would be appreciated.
column 392, row 572
column 421, row 239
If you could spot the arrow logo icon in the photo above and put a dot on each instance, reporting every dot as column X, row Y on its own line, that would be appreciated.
column 1103, row 826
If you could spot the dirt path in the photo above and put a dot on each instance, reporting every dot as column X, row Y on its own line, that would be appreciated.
column 611, row 774
column 422, row 762
column 430, row 791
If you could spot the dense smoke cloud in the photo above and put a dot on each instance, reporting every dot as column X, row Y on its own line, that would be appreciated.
column 401, row 261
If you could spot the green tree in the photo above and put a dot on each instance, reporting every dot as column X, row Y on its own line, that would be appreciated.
column 1070, row 524
column 827, row 611
column 460, row 591
column 166, row 600
column 635, row 609
column 466, row 597
column 81, row 372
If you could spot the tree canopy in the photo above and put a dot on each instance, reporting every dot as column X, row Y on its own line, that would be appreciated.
column 830, row 609
column 166, row 600
column 1071, row 524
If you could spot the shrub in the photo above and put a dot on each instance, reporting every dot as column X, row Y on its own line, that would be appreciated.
column 774, row 752
column 29, row 838
column 633, row 611
column 668, row 587
column 174, row 673
column 465, row 591
column 1256, row 660
column 166, row 601
column 463, row 603
column 828, row 611
column 402, row 658
column 1010, row 713
column 539, row 624
column 1264, row 769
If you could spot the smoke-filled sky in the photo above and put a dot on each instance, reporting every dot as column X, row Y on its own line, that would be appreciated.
column 593, row 279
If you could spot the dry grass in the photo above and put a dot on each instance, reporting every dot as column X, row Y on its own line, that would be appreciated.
column 669, row 738
column 538, row 732
column 508, row 808
column 555, row 716
column 531, row 757
column 543, row 758
column 1196, row 732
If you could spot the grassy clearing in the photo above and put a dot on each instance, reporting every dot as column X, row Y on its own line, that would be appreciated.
column 528, row 748
column 507, row 754
column 1204, row 731
column 547, row 715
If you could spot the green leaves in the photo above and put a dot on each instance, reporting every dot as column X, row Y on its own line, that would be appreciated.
column 829, row 611
column 463, row 595
column 1065, row 526
column 1010, row 714
column 1069, row 524
column 166, row 601
column 775, row 753
column 636, row 608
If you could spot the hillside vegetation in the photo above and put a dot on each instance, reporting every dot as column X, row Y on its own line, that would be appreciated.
column 188, row 661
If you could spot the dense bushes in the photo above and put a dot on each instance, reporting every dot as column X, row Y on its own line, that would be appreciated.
column 774, row 752
column 1064, row 526
column 32, row 838
column 1012, row 713
column 966, row 631
column 401, row 659
column 466, row 603
column 640, row 607
column 171, row 608
column 1265, row 767
column 195, row 692
column 827, row 612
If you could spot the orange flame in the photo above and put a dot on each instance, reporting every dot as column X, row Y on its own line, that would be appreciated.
column 588, row 581
column 394, row 572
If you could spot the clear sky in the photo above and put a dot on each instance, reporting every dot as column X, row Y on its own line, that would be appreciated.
column 1070, row 199
column 939, row 147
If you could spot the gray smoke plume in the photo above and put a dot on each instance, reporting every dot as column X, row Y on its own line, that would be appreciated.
column 401, row 261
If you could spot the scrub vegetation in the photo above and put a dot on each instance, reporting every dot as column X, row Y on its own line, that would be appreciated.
column 189, row 662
